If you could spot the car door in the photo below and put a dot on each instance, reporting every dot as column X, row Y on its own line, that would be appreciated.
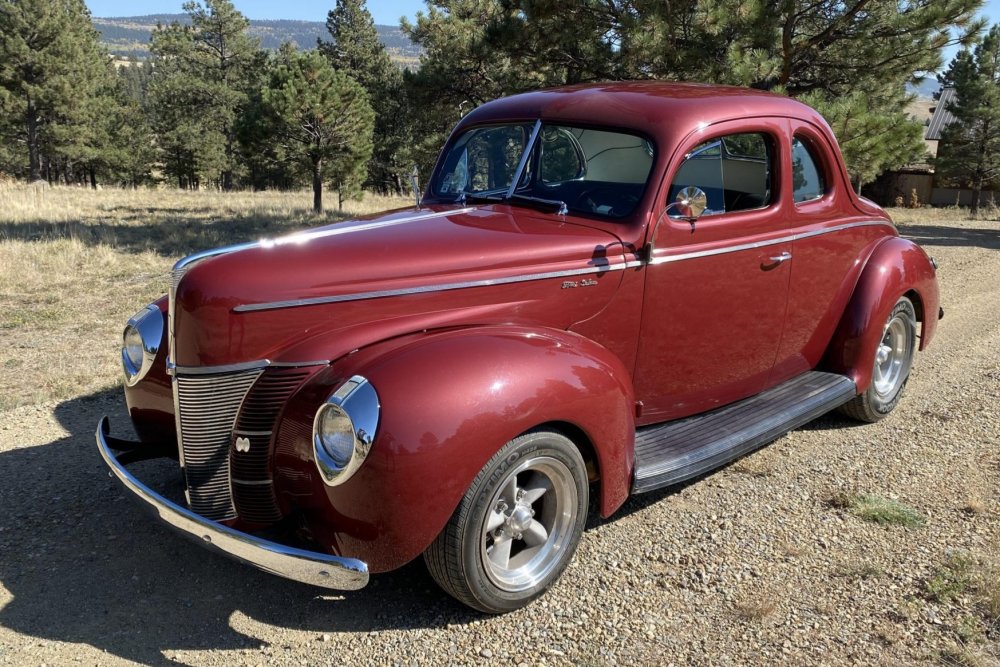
column 831, row 236
column 716, row 288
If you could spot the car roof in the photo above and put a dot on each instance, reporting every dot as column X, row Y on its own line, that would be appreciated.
column 663, row 110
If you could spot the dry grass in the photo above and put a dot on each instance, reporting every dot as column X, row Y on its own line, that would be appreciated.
column 75, row 264
column 905, row 216
column 876, row 509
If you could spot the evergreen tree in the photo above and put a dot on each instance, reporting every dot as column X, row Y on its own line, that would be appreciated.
column 850, row 59
column 969, row 150
column 53, row 73
column 203, row 76
column 320, row 118
column 356, row 50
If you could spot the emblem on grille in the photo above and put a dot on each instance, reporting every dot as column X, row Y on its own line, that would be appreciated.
column 242, row 444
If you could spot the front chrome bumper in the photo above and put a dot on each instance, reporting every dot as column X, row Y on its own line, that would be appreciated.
column 309, row 567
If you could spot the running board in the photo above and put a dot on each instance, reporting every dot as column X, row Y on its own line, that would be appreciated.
column 672, row 452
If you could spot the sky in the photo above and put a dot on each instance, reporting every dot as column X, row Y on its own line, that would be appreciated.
column 385, row 12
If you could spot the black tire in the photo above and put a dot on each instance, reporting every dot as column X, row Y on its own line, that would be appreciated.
column 546, row 474
column 890, row 367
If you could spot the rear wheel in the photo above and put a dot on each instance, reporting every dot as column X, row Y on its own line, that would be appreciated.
column 517, row 526
column 891, row 370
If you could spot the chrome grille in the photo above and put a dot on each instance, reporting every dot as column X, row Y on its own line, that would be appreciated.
column 207, row 407
column 253, row 490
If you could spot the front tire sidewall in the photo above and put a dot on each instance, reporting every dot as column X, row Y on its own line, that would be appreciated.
column 489, row 597
column 870, row 406
column 883, row 405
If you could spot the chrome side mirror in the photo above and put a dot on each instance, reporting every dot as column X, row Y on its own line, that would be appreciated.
column 689, row 204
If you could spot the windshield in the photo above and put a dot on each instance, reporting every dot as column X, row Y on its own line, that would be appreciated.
column 578, row 169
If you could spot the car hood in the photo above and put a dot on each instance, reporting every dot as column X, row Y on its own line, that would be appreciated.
column 336, row 288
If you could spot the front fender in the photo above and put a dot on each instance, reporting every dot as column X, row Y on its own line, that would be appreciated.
column 449, row 401
column 897, row 267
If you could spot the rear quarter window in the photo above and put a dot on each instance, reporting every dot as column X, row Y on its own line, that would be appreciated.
column 808, row 181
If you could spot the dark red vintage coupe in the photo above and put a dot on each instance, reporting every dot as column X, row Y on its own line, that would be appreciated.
column 606, row 288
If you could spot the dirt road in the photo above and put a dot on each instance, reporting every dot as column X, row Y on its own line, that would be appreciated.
column 751, row 565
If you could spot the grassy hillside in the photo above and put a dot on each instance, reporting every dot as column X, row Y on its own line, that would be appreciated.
column 129, row 35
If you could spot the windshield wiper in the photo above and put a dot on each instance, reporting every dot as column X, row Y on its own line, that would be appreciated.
column 473, row 196
column 560, row 205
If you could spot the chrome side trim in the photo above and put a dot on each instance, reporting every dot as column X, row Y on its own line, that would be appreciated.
column 309, row 567
column 764, row 244
column 444, row 287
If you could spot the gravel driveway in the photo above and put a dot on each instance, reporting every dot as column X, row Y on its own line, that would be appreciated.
column 751, row 565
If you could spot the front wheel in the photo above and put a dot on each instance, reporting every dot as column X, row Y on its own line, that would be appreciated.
column 517, row 526
column 891, row 369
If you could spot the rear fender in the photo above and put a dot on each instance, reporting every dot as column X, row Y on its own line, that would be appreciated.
column 896, row 268
column 449, row 401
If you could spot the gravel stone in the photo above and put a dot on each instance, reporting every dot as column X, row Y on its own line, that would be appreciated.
column 750, row 565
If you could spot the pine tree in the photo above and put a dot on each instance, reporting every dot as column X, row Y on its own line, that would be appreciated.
column 969, row 150
column 320, row 118
column 356, row 50
column 852, row 60
column 203, row 76
column 53, row 73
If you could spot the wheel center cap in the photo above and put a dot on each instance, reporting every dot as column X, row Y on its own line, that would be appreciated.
column 883, row 353
column 519, row 519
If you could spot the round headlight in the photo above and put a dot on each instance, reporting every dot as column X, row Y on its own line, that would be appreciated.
column 344, row 430
column 140, row 343
column 132, row 352
column 335, row 436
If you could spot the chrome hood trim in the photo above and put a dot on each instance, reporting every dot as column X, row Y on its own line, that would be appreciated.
column 444, row 287
column 304, row 237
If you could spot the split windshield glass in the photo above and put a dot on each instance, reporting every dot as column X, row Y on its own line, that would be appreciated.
column 576, row 169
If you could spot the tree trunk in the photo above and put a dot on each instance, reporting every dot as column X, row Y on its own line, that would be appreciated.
column 93, row 177
column 340, row 199
column 977, row 191
column 317, row 185
column 34, row 152
column 227, row 173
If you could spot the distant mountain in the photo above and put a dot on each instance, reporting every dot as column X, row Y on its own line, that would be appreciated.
column 129, row 35
column 927, row 87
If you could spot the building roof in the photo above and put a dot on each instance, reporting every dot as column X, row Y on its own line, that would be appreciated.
column 941, row 117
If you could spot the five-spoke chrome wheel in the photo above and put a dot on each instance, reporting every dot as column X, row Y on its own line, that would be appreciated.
column 891, row 366
column 892, row 359
column 530, row 521
column 517, row 527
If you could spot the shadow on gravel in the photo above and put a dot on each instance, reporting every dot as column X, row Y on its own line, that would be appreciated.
column 85, row 564
column 939, row 235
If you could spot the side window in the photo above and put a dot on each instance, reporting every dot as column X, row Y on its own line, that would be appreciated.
column 734, row 171
column 807, row 178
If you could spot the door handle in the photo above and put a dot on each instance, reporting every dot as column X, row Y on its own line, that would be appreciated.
column 774, row 262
